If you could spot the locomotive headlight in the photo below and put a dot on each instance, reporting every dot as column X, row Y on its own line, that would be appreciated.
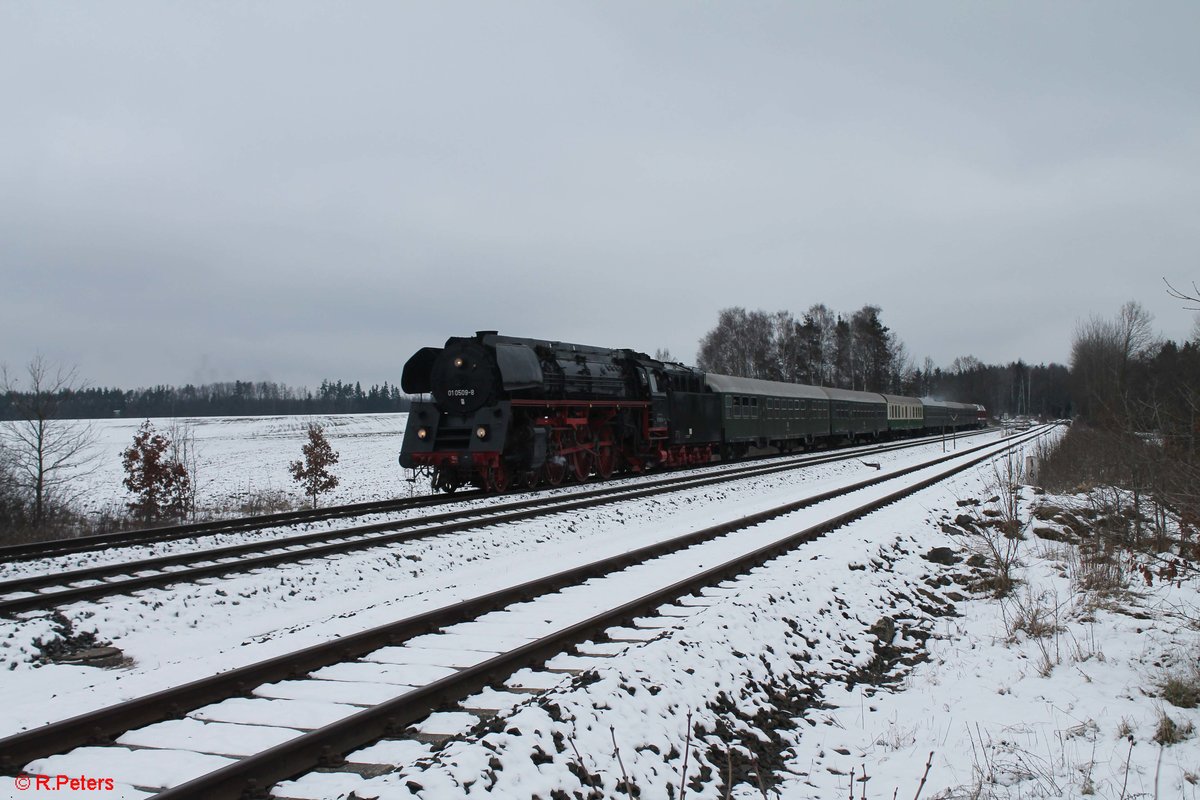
column 422, row 433
column 482, row 432
column 458, row 362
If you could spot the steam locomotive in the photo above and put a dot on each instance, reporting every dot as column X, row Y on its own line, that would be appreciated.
column 508, row 412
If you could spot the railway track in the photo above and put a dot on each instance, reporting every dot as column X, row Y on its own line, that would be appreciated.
column 146, row 536
column 105, row 541
column 385, row 679
column 54, row 588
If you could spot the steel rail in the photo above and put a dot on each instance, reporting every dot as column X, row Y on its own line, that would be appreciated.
column 100, row 725
column 101, row 541
column 347, row 539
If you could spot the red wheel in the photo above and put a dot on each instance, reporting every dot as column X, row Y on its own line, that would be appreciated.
column 555, row 470
column 581, row 463
column 606, row 461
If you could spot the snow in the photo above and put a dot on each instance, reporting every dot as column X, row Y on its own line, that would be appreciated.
column 319, row 785
column 217, row 738
column 241, row 456
column 854, row 651
column 446, row 723
column 303, row 714
column 155, row 769
column 333, row 691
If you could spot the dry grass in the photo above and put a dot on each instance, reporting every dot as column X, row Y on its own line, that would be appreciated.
column 999, row 527
column 1181, row 689
column 1034, row 616
column 1168, row 731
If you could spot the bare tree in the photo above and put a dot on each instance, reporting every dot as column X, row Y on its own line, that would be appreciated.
column 724, row 349
column 1102, row 353
column 45, row 453
column 12, row 504
column 823, row 324
column 183, row 451
column 1193, row 297
column 903, row 374
column 790, row 356
column 964, row 364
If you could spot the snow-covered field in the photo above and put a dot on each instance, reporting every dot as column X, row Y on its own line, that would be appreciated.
column 240, row 457
column 862, row 652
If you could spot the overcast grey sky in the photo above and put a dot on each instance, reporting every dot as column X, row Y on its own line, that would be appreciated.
column 291, row 190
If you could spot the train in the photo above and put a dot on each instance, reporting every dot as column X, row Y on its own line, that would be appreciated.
column 507, row 413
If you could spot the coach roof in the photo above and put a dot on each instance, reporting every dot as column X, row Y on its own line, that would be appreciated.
column 727, row 384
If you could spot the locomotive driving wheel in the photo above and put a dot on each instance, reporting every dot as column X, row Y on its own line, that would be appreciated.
column 555, row 470
column 581, row 465
column 606, row 461
column 496, row 478
column 581, row 459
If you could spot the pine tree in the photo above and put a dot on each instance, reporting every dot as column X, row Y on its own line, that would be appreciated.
column 312, row 473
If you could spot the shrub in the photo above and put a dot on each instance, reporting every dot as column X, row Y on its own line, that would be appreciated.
column 312, row 473
column 1182, row 690
column 1168, row 731
column 161, row 484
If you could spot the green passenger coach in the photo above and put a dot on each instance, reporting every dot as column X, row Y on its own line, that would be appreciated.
column 788, row 416
column 758, row 413
column 856, row 415
column 904, row 413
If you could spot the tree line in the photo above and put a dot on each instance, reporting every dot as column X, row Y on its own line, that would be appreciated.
column 45, row 454
column 1126, row 378
column 1132, row 449
column 230, row 398
column 858, row 351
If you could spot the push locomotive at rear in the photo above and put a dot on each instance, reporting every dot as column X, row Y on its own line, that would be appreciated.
column 508, row 412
